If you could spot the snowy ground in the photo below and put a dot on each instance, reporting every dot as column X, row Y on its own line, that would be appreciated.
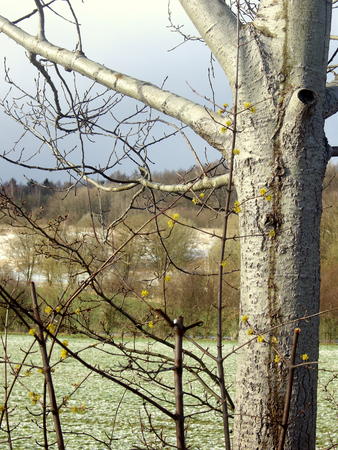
column 5, row 247
column 203, row 242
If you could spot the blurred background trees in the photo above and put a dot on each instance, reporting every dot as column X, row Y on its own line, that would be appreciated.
column 144, row 262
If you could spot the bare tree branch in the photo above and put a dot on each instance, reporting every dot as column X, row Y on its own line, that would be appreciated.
column 27, row 16
column 204, row 183
column 217, row 25
column 334, row 151
column 331, row 99
column 204, row 122
column 41, row 32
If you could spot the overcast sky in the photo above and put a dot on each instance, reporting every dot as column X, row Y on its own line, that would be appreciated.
column 131, row 37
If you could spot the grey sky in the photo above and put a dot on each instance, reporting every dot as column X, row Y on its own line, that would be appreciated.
column 131, row 37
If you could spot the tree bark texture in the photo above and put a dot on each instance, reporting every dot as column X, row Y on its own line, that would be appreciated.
column 283, row 150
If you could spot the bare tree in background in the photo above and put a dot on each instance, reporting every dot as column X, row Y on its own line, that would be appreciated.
column 275, row 57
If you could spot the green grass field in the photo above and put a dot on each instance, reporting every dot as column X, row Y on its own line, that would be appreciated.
column 100, row 414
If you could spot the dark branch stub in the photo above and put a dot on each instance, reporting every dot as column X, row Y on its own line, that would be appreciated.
column 334, row 151
column 306, row 96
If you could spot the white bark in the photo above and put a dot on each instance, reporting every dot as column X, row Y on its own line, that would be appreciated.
column 217, row 26
column 283, row 149
column 203, row 121
column 195, row 186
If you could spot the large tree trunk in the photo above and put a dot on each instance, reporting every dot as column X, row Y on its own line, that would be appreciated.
column 283, row 150
column 279, row 282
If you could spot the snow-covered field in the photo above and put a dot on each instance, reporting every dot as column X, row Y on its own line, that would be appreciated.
column 14, row 255
column 99, row 414
column 203, row 241
column 5, row 247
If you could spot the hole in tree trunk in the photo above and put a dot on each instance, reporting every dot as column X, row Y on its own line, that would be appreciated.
column 306, row 96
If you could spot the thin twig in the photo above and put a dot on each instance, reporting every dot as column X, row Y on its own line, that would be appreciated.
column 47, row 370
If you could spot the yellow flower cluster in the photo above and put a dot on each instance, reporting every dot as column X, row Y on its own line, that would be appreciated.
column 222, row 110
column 195, row 200
column 40, row 370
column 276, row 359
column 167, row 278
column 224, row 263
column 304, row 357
column 236, row 151
column 32, row 331
column 151, row 324
column 272, row 234
column 64, row 354
column 228, row 124
column 249, row 106
column 245, row 318
column 51, row 328
column 171, row 221
column 237, row 208
column 34, row 397
column 263, row 192
column 144, row 293
column 48, row 310
column 202, row 195
column 260, row 339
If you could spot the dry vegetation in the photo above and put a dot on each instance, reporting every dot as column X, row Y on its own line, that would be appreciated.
column 81, row 216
